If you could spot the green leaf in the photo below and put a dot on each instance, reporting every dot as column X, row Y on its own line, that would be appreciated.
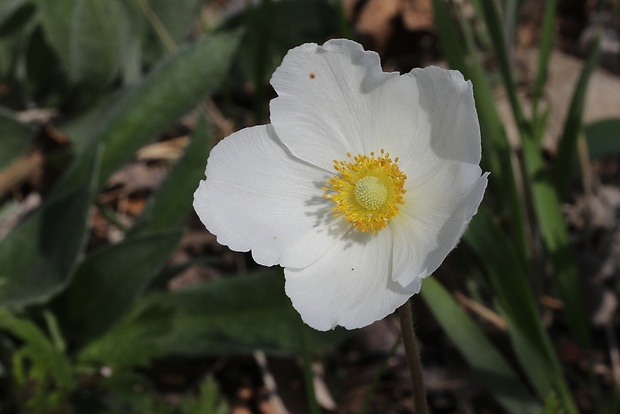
column 603, row 138
column 36, row 359
column 546, row 202
column 556, row 240
column 133, row 342
column 567, row 146
column 14, row 14
column 451, row 40
column 108, row 281
column 546, row 44
column 80, row 127
column 493, row 23
column 488, row 364
column 176, row 19
column 178, row 84
column 100, row 29
column 56, row 18
column 37, row 258
column 208, row 400
column 8, row 8
column 123, row 392
column 274, row 27
column 15, row 138
column 497, row 156
column 235, row 315
column 91, row 37
column 170, row 205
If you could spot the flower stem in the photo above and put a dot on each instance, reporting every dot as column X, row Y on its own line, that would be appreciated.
column 413, row 357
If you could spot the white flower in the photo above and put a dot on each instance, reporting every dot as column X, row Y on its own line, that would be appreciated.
column 360, row 187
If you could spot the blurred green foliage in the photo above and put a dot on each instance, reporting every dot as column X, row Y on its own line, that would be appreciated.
column 119, row 73
column 75, row 322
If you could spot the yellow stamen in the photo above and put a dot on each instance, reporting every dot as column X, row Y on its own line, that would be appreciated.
column 366, row 191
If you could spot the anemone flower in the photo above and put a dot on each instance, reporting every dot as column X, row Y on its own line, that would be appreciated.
column 360, row 187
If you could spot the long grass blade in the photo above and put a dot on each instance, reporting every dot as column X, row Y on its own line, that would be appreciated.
column 546, row 43
column 488, row 364
column 497, row 151
column 493, row 23
column 567, row 147
column 546, row 202
column 509, row 278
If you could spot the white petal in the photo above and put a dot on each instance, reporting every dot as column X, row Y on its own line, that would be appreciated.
column 451, row 120
column 433, row 219
column 258, row 197
column 425, row 118
column 350, row 286
column 324, row 104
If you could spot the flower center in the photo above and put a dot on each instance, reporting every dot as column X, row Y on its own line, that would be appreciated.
column 366, row 190
column 370, row 193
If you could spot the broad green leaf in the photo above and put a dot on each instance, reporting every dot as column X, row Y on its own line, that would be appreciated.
column 108, row 281
column 94, row 39
column 80, row 128
column 603, row 138
column 37, row 358
column 508, row 275
column 8, row 8
column 133, row 342
column 15, row 138
column 488, row 364
column 170, row 205
column 171, row 90
column 37, row 258
column 14, row 14
column 235, row 315
column 42, row 68
column 56, row 18
column 100, row 30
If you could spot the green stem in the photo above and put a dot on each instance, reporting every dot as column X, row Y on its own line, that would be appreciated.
column 413, row 357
